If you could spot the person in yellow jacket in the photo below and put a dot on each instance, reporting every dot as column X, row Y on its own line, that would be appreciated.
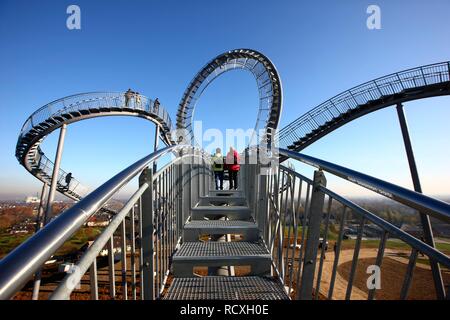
column 217, row 166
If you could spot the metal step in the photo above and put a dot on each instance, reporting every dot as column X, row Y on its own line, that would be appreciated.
column 226, row 193
column 231, row 212
column 196, row 228
column 219, row 200
column 226, row 288
column 216, row 254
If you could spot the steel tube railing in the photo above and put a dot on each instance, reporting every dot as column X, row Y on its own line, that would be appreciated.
column 17, row 267
column 63, row 291
column 431, row 206
column 289, row 221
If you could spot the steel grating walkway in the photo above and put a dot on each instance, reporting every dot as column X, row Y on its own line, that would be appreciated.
column 220, row 249
column 226, row 288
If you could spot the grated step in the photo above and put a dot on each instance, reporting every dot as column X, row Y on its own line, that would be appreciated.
column 226, row 288
column 231, row 212
column 216, row 254
column 195, row 228
column 218, row 200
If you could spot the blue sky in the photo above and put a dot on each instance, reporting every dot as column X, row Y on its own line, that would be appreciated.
column 320, row 48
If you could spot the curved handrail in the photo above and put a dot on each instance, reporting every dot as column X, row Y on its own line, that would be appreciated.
column 385, row 225
column 267, row 79
column 367, row 97
column 19, row 265
column 423, row 203
column 75, row 108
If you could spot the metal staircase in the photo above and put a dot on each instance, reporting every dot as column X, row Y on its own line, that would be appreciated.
column 200, row 249
column 277, row 223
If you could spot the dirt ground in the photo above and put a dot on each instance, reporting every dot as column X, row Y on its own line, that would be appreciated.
column 393, row 271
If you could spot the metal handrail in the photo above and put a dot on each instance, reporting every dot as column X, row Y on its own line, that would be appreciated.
column 375, row 89
column 385, row 225
column 423, row 203
column 391, row 229
column 63, row 290
column 18, row 266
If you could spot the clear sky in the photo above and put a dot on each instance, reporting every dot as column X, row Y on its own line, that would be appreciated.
column 155, row 47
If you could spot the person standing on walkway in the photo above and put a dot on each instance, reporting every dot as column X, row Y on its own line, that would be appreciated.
column 138, row 100
column 156, row 106
column 232, row 161
column 217, row 166
column 128, row 96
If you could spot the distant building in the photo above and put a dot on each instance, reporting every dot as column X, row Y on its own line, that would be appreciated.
column 32, row 200
column 97, row 223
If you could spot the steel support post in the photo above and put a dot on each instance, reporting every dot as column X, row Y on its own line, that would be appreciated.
column 155, row 146
column 40, row 214
column 54, row 183
column 147, row 240
column 313, row 236
column 424, row 218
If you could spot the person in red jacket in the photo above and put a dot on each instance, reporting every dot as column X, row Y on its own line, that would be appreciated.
column 232, row 162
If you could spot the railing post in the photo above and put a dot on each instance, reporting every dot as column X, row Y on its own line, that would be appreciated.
column 155, row 146
column 313, row 236
column 147, row 240
column 40, row 213
column 54, row 182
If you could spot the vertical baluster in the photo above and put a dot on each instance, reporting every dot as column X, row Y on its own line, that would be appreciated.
column 159, row 237
column 124, row 261
column 355, row 259
column 166, row 223
column 112, row 276
column 409, row 274
column 379, row 259
column 141, row 251
column 93, row 280
column 280, row 229
column 336, row 254
column 294, row 246
column 324, row 247
column 290, row 264
column 133, row 254
column 302, row 241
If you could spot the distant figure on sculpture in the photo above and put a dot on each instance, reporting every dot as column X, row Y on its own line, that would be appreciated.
column 128, row 95
column 232, row 162
column 138, row 99
column 156, row 106
column 68, row 179
column 217, row 165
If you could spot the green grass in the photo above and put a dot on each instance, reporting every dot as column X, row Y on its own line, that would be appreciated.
column 10, row 241
column 369, row 244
